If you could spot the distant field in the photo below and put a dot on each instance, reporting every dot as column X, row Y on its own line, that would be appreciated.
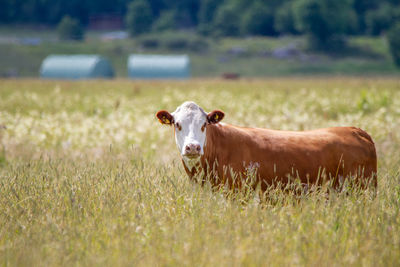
column 249, row 57
column 89, row 177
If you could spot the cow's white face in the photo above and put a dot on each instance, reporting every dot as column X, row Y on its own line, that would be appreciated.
column 190, row 122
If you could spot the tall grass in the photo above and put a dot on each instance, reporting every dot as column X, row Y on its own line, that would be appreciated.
column 89, row 177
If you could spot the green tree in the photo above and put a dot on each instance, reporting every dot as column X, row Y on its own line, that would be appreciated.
column 361, row 7
column 70, row 29
column 325, row 21
column 185, row 12
column 284, row 19
column 138, row 17
column 227, row 21
column 393, row 37
column 167, row 21
column 206, row 15
column 258, row 20
column 380, row 20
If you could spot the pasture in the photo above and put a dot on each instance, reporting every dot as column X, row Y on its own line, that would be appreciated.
column 88, row 176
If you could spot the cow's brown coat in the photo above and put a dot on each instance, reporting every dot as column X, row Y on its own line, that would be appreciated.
column 330, row 153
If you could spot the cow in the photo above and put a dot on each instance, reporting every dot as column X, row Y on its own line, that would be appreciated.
column 225, row 154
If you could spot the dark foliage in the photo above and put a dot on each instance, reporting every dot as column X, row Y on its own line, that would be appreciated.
column 166, row 21
column 394, row 43
column 379, row 20
column 139, row 17
column 69, row 29
column 284, row 19
column 326, row 22
column 227, row 21
column 206, row 15
column 258, row 20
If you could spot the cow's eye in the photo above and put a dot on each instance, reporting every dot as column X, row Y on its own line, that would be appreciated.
column 203, row 127
column 178, row 126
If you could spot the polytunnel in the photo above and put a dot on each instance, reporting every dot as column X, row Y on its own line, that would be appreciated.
column 158, row 66
column 76, row 67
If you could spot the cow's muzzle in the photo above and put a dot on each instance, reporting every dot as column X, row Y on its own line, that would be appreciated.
column 192, row 151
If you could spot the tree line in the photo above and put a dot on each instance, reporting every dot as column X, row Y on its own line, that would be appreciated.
column 229, row 17
column 326, row 22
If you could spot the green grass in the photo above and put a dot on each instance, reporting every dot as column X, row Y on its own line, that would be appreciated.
column 89, row 177
column 365, row 56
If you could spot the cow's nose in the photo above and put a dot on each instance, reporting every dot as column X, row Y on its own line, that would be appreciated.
column 192, row 149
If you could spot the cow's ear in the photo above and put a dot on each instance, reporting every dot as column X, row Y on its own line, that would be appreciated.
column 165, row 117
column 215, row 116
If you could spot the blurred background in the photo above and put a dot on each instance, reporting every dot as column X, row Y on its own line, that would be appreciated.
column 231, row 38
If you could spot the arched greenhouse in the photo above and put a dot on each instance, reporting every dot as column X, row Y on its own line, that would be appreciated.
column 76, row 67
column 158, row 66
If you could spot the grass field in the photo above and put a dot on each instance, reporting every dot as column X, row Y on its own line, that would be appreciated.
column 89, row 177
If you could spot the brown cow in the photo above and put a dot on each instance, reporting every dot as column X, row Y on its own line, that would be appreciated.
column 231, row 152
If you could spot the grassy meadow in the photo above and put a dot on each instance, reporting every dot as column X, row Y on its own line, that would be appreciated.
column 89, row 177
